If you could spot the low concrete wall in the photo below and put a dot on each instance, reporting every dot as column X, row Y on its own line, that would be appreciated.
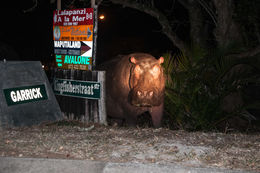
column 26, row 97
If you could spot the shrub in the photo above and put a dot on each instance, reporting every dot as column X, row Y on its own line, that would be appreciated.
column 197, row 87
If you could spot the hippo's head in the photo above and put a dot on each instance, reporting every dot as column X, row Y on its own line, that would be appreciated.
column 146, row 81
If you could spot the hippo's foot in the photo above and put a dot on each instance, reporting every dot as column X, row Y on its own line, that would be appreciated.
column 157, row 113
column 115, row 121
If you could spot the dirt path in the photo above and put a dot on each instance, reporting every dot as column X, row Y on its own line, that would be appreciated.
column 142, row 145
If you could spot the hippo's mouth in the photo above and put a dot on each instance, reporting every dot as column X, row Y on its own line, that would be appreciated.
column 144, row 99
column 142, row 105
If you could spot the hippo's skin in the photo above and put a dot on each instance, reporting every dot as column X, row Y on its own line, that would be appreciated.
column 135, row 84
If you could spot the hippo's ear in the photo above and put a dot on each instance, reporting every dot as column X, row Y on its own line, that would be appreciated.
column 133, row 60
column 161, row 60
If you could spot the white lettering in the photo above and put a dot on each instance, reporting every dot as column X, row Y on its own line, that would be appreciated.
column 29, row 96
column 24, row 97
column 70, row 12
column 34, row 93
column 67, row 44
column 77, row 18
column 26, row 94
column 13, row 96
column 39, row 95
column 89, row 16
column 19, row 98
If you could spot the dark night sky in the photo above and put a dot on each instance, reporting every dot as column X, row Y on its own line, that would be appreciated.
column 28, row 36
column 126, row 30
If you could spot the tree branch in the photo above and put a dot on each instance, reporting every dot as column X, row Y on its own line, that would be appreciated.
column 249, row 53
column 98, row 2
column 209, row 11
column 32, row 8
column 162, row 20
column 184, row 3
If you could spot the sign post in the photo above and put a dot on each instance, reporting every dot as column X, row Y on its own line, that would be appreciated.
column 95, row 30
column 75, row 36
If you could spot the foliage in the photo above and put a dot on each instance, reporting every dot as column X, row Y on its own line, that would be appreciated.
column 197, row 87
column 247, row 15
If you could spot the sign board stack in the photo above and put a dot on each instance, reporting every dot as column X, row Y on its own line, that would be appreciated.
column 74, row 78
column 73, row 38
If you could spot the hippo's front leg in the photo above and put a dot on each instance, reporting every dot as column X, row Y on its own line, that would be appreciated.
column 130, row 115
column 156, row 114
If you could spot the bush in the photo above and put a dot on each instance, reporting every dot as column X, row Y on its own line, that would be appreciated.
column 197, row 88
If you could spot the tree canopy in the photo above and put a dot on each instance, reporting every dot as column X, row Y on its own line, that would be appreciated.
column 209, row 23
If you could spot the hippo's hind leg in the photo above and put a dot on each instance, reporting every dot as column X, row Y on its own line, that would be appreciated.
column 156, row 114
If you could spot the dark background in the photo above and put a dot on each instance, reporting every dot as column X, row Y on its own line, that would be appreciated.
column 27, row 34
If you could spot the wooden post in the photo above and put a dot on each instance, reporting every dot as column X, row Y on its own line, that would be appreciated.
column 94, row 103
column 95, row 30
column 58, row 4
column 102, row 101
column 92, row 3
column 86, row 115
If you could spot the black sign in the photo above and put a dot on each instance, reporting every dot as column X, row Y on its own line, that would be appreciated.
column 25, row 94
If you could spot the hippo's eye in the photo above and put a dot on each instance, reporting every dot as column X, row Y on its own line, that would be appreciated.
column 155, row 71
column 138, row 70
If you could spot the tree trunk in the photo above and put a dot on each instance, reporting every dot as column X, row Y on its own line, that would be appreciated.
column 226, row 31
column 196, row 24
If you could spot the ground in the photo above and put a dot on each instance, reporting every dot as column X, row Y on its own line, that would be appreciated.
column 140, row 145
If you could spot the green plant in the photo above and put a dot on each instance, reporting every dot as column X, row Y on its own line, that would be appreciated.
column 197, row 87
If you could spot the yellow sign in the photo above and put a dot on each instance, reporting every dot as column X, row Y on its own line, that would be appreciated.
column 73, row 33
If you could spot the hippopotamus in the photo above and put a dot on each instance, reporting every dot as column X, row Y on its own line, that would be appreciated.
column 135, row 84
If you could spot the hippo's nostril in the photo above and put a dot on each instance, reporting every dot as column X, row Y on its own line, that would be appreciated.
column 144, row 94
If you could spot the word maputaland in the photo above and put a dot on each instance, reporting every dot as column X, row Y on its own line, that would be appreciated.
column 67, row 44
